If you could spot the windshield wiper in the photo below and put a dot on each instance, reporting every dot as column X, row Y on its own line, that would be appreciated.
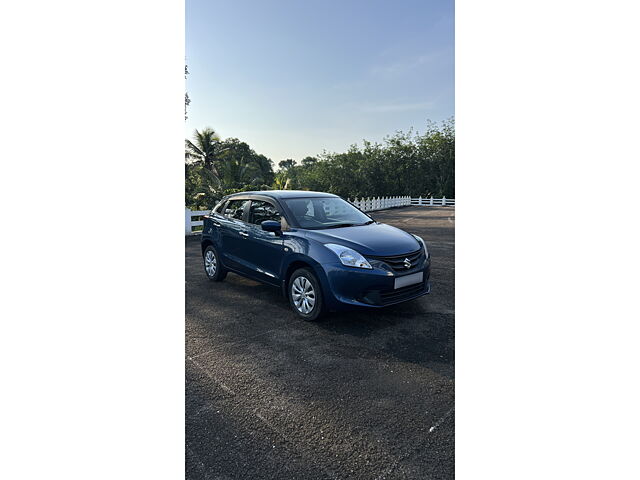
column 340, row 225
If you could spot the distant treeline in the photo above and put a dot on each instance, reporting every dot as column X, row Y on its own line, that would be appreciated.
column 403, row 164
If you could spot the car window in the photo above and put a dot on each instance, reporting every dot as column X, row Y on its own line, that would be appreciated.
column 325, row 212
column 262, row 210
column 235, row 209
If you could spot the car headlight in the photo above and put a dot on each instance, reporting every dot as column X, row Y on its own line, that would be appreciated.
column 423, row 243
column 348, row 257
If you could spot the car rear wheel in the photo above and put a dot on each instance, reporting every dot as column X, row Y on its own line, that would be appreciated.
column 212, row 266
column 305, row 295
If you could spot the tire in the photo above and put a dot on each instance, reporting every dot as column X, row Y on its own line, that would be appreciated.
column 305, row 295
column 212, row 265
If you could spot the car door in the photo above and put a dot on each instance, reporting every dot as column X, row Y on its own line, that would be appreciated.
column 266, row 249
column 233, row 228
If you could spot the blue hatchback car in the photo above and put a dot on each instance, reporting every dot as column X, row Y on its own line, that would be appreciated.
column 324, row 253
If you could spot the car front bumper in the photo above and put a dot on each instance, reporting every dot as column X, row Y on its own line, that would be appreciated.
column 346, row 287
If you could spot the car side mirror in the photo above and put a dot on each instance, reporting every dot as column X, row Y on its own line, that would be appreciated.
column 272, row 226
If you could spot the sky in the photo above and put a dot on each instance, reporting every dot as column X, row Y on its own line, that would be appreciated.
column 296, row 78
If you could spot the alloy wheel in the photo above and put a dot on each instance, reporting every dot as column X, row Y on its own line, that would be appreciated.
column 210, row 263
column 304, row 296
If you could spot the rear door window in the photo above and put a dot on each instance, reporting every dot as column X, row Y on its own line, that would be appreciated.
column 235, row 209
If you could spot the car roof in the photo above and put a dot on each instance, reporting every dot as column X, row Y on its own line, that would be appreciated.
column 285, row 194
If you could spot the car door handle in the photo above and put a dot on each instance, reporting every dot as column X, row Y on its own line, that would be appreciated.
column 244, row 234
column 216, row 224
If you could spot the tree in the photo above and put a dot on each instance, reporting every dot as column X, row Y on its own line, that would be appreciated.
column 206, row 147
column 266, row 167
column 237, row 150
column 287, row 164
column 215, row 167
column 402, row 164
column 238, row 172
column 202, row 179
column 201, row 186
column 281, row 181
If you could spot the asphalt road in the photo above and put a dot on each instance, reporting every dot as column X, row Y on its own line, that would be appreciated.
column 363, row 395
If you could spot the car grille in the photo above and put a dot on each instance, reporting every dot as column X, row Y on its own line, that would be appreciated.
column 399, row 294
column 396, row 262
column 387, row 297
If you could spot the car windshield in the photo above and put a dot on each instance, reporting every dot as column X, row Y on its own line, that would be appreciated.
column 325, row 212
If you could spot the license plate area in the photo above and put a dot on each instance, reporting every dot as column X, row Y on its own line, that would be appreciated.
column 408, row 280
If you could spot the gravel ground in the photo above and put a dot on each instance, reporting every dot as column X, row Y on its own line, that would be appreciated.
column 363, row 395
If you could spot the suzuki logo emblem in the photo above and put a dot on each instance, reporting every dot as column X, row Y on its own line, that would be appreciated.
column 407, row 263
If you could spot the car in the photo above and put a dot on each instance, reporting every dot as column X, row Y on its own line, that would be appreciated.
column 325, row 254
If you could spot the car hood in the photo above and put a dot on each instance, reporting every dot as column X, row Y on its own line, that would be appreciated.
column 376, row 239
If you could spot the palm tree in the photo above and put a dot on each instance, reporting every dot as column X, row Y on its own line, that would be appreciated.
column 236, row 173
column 206, row 148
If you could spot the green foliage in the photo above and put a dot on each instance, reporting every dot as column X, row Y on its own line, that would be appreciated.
column 307, row 161
column 282, row 182
column 403, row 164
column 205, row 148
column 287, row 164
column 215, row 167
column 201, row 187
column 241, row 165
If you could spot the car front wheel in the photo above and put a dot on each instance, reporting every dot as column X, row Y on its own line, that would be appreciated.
column 305, row 295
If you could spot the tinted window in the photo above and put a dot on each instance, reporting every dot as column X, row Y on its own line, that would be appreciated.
column 235, row 209
column 261, row 211
column 325, row 212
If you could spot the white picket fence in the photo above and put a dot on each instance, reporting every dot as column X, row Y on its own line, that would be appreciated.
column 434, row 202
column 382, row 203
column 364, row 204
column 189, row 222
